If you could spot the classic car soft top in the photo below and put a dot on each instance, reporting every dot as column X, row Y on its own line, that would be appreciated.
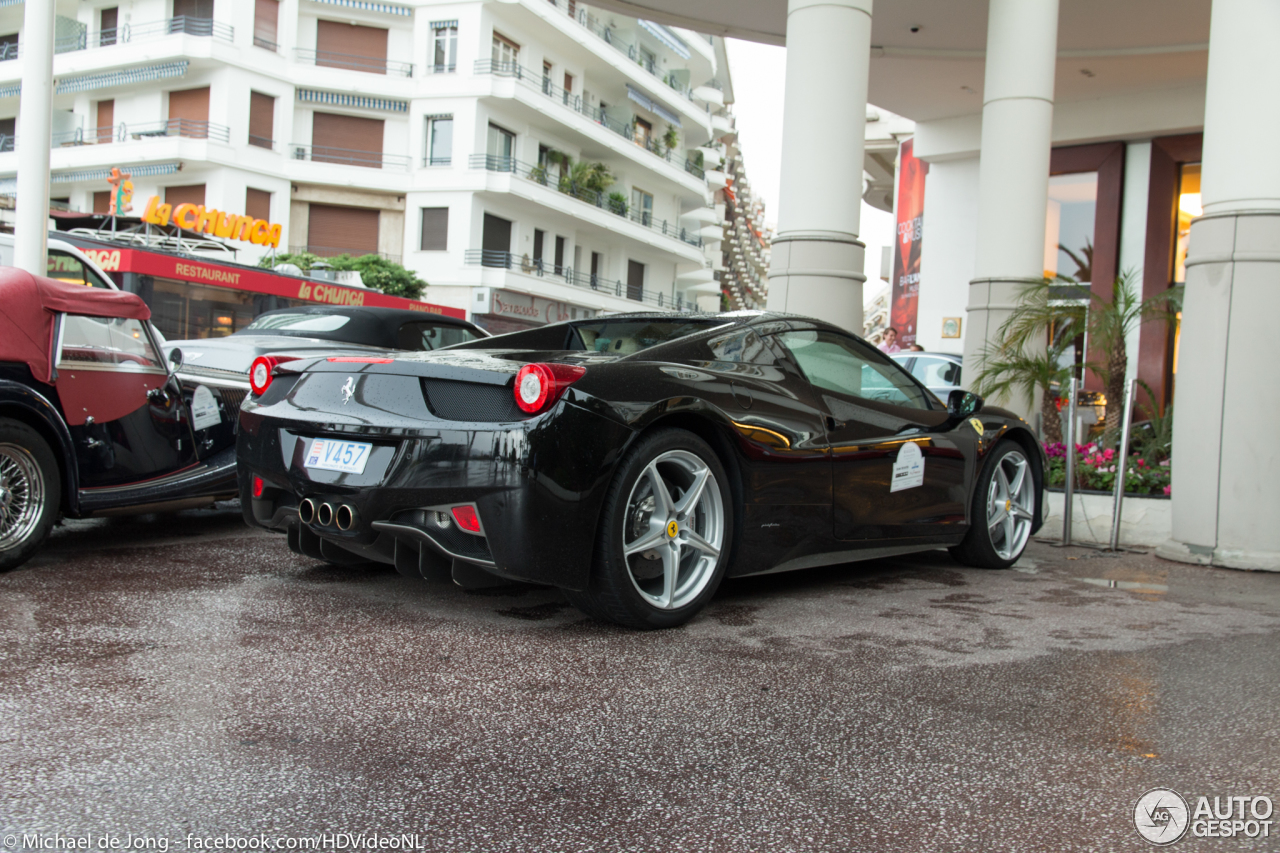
column 30, row 304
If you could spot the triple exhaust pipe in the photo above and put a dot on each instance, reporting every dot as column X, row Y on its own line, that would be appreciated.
column 326, row 514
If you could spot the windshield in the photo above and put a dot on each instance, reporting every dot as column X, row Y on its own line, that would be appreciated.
column 299, row 323
column 627, row 336
column 426, row 336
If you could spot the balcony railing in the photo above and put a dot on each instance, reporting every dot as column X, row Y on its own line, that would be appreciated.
column 539, row 268
column 133, row 132
column 334, row 251
column 351, row 62
column 7, row 142
column 574, row 102
column 610, row 37
column 9, row 50
column 262, row 142
column 149, row 31
column 560, row 182
column 437, row 161
column 349, row 157
column 442, row 68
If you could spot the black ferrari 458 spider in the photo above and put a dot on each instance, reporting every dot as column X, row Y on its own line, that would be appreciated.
column 633, row 461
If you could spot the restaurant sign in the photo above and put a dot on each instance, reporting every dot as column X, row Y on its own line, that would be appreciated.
column 230, row 226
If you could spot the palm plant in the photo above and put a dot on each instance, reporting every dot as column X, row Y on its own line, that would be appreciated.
column 1108, row 322
column 1006, row 370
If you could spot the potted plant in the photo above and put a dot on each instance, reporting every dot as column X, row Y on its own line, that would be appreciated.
column 671, row 138
column 618, row 203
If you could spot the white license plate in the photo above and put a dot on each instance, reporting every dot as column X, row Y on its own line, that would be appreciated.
column 331, row 454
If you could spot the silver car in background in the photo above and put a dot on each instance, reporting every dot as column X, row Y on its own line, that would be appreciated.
column 939, row 371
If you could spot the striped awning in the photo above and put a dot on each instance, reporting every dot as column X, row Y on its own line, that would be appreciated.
column 123, row 77
column 369, row 6
column 442, row 25
column 145, row 170
column 4, row 3
column 667, row 37
column 11, row 91
column 360, row 102
column 652, row 106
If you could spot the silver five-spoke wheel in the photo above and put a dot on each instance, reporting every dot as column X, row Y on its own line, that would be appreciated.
column 21, row 495
column 674, row 529
column 1011, row 505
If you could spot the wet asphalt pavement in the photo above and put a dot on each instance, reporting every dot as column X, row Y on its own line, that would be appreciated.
column 183, row 674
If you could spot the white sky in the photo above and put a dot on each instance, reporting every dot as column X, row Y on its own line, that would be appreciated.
column 759, row 80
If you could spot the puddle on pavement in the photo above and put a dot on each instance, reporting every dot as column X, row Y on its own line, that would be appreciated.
column 1128, row 586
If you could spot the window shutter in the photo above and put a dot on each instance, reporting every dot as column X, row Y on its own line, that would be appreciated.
column 333, row 230
column 190, row 194
column 257, row 203
column 266, row 23
column 189, row 113
column 435, row 229
column 262, row 119
column 106, row 121
column 351, row 46
column 102, row 202
column 346, row 139
column 635, row 280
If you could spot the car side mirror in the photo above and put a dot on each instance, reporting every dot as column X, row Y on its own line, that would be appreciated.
column 963, row 404
column 175, row 358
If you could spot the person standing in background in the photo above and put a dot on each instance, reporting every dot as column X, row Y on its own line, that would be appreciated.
column 889, row 343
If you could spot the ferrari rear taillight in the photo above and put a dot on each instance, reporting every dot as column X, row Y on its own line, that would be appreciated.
column 258, row 486
column 538, row 386
column 262, row 370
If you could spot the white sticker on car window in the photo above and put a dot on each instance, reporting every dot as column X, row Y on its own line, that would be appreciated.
column 908, row 469
column 204, row 409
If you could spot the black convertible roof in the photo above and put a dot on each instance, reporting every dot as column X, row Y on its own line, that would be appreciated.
column 376, row 327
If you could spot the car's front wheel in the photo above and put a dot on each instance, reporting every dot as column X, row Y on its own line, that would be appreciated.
column 666, row 531
column 30, row 492
column 1003, row 511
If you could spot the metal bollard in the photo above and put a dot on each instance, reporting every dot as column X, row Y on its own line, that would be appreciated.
column 1122, row 459
column 1069, row 488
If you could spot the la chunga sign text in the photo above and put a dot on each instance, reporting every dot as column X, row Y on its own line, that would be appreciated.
column 194, row 217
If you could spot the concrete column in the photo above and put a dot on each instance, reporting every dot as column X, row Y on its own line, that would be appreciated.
column 1013, row 171
column 817, row 261
column 35, row 130
column 1226, row 466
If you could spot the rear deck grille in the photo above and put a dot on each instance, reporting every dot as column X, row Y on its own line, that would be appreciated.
column 471, row 401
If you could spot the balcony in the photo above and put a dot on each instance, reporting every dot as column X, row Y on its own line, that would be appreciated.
column 123, row 132
column 351, row 62
column 150, row 31
column 615, row 204
column 607, row 35
column 567, row 275
column 349, row 157
column 574, row 102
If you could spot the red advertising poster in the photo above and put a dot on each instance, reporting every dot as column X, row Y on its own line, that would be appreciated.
column 905, row 285
column 256, row 280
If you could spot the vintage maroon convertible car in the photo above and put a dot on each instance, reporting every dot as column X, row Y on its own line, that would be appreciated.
column 92, row 419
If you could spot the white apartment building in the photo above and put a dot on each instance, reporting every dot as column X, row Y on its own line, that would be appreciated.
column 457, row 138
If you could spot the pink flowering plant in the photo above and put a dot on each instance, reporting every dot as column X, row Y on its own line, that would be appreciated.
column 1096, row 468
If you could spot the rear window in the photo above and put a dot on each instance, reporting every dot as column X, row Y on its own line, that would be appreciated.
column 427, row 336
column 627, row 336
column 65, row 266
column 300, row 323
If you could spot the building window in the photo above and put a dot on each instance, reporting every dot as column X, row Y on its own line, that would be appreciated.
column 266, row 19
column 439, row 141
column 351, row 46
column 106, row 129
column 644, row 132
column 262, row 120
column 635, row 280
column 502, row 148
column 444, row 35
column 257, row 203
column 8, row 46
column 334, row 230
column 641, row 206
column 1069, row 226
column 506, row 54
column 107, row 22
column 352, row 140
column 435, row 229
column 1188, row 209
column 188, row 194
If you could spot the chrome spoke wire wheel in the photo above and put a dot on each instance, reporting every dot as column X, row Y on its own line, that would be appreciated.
column 1011, row 503
column 22, row 495
column 674, row 530
column 30, row 492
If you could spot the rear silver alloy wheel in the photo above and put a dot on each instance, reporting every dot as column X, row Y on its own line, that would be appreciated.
column 22, row 495
column 1011, row 502
column 674, row 530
